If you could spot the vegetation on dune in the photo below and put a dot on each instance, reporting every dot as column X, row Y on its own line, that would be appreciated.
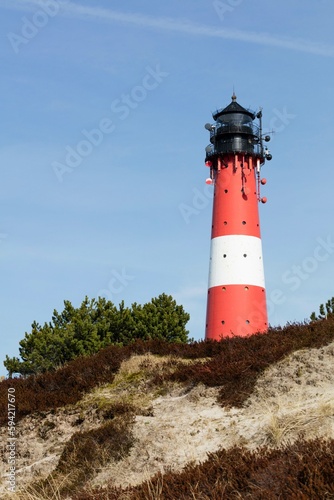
column 300, row 470
column 234, row 364
column 94, row 325
column 88, row 451
column 325, row 310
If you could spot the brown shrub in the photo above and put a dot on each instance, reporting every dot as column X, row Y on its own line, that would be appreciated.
column 235, row 365
column 241, row 360
column 88, row 451
column 65, row 386
column 301, row 471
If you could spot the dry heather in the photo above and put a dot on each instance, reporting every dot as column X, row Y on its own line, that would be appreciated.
column 186, row 425
column 50, row 444
column 152, row 428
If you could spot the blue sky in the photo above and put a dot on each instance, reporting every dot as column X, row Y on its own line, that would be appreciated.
column 102, row 150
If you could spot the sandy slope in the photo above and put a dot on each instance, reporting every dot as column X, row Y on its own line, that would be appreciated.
column 293, row 398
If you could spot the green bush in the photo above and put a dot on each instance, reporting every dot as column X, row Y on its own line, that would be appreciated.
column 93, row 326
column 234, row 365
column 325, row 310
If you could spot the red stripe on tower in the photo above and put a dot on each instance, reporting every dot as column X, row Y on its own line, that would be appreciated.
column 236, row 297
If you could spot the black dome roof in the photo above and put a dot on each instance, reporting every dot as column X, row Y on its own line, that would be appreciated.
column 233, row 107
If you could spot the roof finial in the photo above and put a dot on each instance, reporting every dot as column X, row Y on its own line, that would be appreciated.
column 234, row 97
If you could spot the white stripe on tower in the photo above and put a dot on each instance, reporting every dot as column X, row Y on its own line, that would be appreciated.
column 236, row 260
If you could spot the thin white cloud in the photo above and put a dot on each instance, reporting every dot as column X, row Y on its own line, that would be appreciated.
column 180, row 26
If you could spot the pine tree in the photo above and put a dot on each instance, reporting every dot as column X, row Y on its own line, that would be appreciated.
column 96, row 324
column 325, row 310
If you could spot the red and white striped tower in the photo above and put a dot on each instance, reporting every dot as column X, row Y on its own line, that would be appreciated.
column 236, row 297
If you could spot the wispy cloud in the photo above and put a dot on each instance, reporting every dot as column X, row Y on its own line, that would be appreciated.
column 181, row 26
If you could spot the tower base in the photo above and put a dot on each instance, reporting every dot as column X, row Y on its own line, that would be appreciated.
column 238, row 310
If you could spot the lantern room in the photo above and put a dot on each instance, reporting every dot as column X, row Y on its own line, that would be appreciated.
column 234, row 131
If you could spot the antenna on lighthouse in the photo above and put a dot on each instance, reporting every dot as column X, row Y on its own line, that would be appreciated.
column 236, row 302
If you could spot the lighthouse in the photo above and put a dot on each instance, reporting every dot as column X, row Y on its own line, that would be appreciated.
column 236, row 302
